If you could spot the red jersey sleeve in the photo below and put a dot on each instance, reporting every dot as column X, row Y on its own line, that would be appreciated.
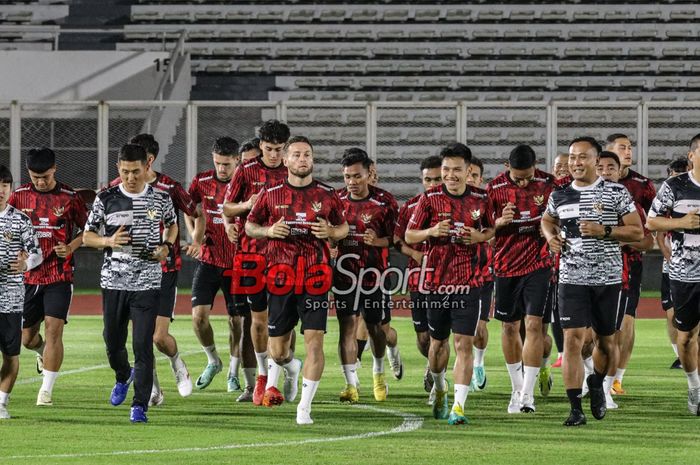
column 194, row 191
column 260, row 214
column 236, row 187
column 402, row 222
column 79, row 210
column 337, row 213
column 421, row 214
column 182, row 200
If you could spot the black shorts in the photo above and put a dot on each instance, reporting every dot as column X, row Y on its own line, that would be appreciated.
column 10, row 333
column 519, row 296
column 486, row 296
column 207, row 281
column 459, row 313
column 255, row 302
column 686, row 305
column 419, row 311
column 373, row 306
column 666, row 298
column 287, row 309
column 41, row 300
column 635, row 289
column 598, row 307
column 168, row 295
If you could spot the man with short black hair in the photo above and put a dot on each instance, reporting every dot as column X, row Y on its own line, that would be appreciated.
column 675, row 210
column 452, row 217
column 136, row 226
column 298, row 216
column 19, row 252
column 58, row 215
column 585, row 222
column 523, row 269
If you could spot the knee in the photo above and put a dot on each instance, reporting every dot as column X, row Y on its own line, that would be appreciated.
column 511, row 329
column 533, row 326
column 200, row 317
column 423, row 340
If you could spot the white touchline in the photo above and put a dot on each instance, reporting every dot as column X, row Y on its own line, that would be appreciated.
column 410, row 423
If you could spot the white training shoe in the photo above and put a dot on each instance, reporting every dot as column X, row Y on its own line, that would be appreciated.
column 183, row 381
column 694, row 401
column 584, row 387
column 246, row 395
column 304, row 417
column 527, row 404
column 291, row 381
column 156, row 397
column 431, row 396
column 4, row 414
column 44, row 399
column 515, row 402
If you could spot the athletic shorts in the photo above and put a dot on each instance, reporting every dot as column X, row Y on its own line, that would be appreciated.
column 256, row 302
column 635, row 288
column 168, row 295
column 598, row 307
column 666, row 298
column 10, row 333
column 373, row 306
column 287, row 310
column 419, row 311
column 686, row 305
column 459, row 313
column 41, row 300
column 524, row 295
column 486, row 296
column 207, row 281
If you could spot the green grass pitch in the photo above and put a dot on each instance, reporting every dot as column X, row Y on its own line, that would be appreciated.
column 651, row 426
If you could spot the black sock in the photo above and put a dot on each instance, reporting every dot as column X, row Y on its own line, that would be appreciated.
column 597, row 379
column 361, row 343
column 575, row 398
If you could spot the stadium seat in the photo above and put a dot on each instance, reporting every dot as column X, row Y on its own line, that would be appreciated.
column 427, row 16
column 211, row 15
column 423, row 34
column 555, row 16
column 458, row 15
column 364, row 15
column 645, row 33
column 584, row 16
column 683, row 16
column 334, row 16
column 390, row 34
column 649, row 15
column 485, row 34
column 331, row 35
column 522, row 16
column 619, row 15
column 301, row 16
column 359, row 34
column 395, row 16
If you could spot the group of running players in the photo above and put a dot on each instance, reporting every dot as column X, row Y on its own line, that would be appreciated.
column 563, row 248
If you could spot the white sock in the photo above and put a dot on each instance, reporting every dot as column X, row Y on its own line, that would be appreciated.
column 588, row 364
column 156, row 384
column 4, row 398
column 262, row 362
column 561, row 355
column 308, row 391
column 461, row 391
column 350, row 372
column 479, row 357
column 273, row 373
column 392, row 353
column 607, row 383
column 439, row 380
column 516, row 376
column 545, row 362
column 176, row 362
column 529, row 380
column 212, row 355
column 233, row 365
column 693, row 379
column 249, row 375
column 675, row 349
column 378, row 365
column 619, row 374
column 49, row 380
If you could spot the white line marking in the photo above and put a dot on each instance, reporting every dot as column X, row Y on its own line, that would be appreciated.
column 410, row 423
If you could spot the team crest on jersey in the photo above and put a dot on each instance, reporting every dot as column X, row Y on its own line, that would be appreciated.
column 598, row 207
column 476, row 214
column 58, row 211
column 366, row 218
column 539, row 200
column 316, row 206
column 7, row 235
column 151, row 214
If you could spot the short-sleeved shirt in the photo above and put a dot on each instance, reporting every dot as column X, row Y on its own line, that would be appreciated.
column 378, row 212
column 143, row 215
column 208, row 190
column 676, row 197
column 16, row 235
column 453, row 262
column 404, row 216
column 300, row 207
column 519, row 247
column 643, row 193
column 250, row 178
column 589, row 261
column 58, row 215
column 182, row 202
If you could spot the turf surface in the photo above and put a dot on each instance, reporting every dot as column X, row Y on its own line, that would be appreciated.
column 652, row 425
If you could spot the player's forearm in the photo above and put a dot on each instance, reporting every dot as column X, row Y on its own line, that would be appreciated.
column 190, row 225
column 663, row 224
column 549, row 229
column 170, row 234
column 199, row 229
column 94, row 240
column 488, row 234
column 382, row 242
column 255, row 230
column 76, row 243
column 338, row 233
column 232, row 209
column 627, row 233
column 404, row 248
column 416, row 236
column 645, row 244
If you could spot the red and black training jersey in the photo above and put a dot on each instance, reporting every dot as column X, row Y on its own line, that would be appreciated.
column 58, row 216
column 300, row 207
column 208, row 190
column 643, row 193
column 404, row 216
column 519, row 248
column 377, row 212
column 629, row 254
column 454, row 263
column 486, row 261
column 182, row 203
column 249, row 178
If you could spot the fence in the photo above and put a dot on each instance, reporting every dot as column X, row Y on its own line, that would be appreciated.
column 87, row 135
